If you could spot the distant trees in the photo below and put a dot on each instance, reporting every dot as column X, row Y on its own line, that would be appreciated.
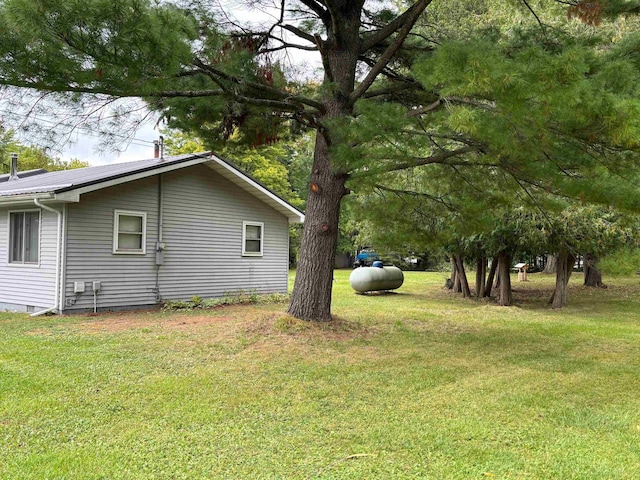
column 399, row 219
column 533, row 124
column 30, row 157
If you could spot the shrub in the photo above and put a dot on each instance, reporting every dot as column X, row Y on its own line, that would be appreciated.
column 198, row 303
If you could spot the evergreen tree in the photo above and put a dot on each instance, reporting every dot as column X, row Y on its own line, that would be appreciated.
column 537, row 108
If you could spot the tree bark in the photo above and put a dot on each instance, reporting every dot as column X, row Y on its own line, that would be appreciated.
column 481, row 276
column 505, row 296
column 592, row 276
column 550, row 266
column 452, row 282
column 564, row 270
column 461, row 275
column 490, row 278
column 457, row 287
column 311, row 297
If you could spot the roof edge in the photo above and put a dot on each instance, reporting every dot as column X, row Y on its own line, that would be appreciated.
column 71, row 192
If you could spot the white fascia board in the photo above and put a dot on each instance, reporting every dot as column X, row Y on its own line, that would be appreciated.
column 67, row 197
column 25, row 198
column 33, row 191
column 136, row 176
column 294, row 217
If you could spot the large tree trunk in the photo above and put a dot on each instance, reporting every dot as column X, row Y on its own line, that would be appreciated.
column 490, row 278
column 550, row 266
column 592, row 276
column 564, row 269
column 481, row 275
column 461, row 276
column 505, row 296
column 311, row 297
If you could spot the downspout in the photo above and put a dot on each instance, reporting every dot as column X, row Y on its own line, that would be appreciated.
column 58, row 262
column 63, row 259
column 159, row 243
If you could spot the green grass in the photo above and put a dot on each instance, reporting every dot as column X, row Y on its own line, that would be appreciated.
column 419, row 384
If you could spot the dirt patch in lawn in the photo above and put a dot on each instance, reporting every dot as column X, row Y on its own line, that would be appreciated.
column 121, row 323
column 286, row 325
column 225, row 322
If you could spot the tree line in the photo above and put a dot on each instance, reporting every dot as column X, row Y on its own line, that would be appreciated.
column 31, row 157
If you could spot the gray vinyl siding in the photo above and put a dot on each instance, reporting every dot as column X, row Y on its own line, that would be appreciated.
column 126, row 280
column 202, row 233
column 29, row 287
column 202, row 230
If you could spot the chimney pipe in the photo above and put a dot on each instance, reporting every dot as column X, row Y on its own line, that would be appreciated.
column 156, row 149
column 13, row 167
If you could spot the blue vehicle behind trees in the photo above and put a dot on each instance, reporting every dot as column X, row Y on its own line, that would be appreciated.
column 365, row 257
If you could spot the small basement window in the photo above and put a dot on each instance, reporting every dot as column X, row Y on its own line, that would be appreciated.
column 252, row 234
column 129, row 232
column 24, row 237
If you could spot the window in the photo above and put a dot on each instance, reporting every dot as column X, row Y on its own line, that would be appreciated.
column 252, row 233
column 129, row 232
column 24, row 237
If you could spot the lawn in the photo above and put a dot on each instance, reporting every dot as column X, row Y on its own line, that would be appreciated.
column 418, row 384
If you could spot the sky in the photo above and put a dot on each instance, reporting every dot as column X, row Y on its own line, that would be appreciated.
column 85, row 145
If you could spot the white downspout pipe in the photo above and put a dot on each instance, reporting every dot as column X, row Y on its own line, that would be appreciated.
column 58, row 262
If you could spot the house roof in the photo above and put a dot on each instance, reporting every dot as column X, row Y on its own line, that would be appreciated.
column 68, row 185
column 26, row 173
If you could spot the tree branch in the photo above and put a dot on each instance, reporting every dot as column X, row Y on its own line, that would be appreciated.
column 440, row 158
column 68, row 88
column 299, row 33
column 405, row 28
column 216, row 74
column 438, row 199
column 426, row 109
column 453, row 137
column 381, row 35
column 487, row 105
column 318, row 8
column 398, row 87
column 286, row 45
column 533, row 13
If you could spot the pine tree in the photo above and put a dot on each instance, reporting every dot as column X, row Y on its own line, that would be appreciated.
column 390, row 98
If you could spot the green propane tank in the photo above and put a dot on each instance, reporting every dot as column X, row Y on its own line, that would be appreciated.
column 374, row 279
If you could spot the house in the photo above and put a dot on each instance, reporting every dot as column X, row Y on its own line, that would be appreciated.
column 135, row 234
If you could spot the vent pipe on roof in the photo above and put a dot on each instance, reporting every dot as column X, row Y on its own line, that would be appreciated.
column 13, row 167
column 158, row 148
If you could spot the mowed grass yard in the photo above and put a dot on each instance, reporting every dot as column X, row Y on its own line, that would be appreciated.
column 419, row 384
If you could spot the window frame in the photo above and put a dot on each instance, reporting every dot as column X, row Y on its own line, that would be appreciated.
column 246, row 224
column 24, row 264
column 116, row 232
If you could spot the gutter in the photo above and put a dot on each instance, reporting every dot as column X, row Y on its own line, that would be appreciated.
column 25, row 198
column 58, row 262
